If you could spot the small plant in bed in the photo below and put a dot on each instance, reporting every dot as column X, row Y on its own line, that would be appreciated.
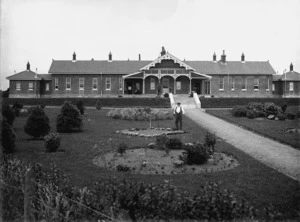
column 197, row 153
column 52, row 142
column 122, row 147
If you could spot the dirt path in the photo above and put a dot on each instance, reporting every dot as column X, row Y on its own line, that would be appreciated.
column 283, row 158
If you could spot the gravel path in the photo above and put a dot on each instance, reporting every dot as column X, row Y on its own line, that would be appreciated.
column 283, row 158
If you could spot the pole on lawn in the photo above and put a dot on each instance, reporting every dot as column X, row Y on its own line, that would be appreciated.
column 27, row 194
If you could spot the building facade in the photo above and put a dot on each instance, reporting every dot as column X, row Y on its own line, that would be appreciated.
column 96, row 78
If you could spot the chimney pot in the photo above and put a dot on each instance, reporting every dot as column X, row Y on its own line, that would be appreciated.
column 110, row 57
column 74, row 57
column 163, row 51
column 223, row 57
column 139, row 57
column 243, row 58
column 214, row 57
column 28, row 66
column 291, row 67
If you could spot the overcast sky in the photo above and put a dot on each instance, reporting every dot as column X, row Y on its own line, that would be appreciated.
column 41, row 30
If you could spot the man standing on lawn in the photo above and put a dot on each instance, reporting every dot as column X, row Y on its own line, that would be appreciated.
column 178, row 112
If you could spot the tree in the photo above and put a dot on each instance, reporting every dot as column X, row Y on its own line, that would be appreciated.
column 8, row 137
column 69, row 119
column 8, row 113
column 37, row 124
column 80, row 106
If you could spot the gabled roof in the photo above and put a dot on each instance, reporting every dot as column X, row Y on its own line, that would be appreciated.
column 29, row 75
column 290, row 76
column 232, row 67
column 96, row 66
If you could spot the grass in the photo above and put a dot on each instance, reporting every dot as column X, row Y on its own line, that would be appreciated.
column 269, row 128
column 251, row 180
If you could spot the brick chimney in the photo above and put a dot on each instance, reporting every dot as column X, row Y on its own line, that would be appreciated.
column 163, row 51
column 28, row 66
column 139, row 57
column 223, row 57
column 291, row 67
column 74, row 57
column 110, row 57
column 243, row 58
column 214, row 57
column 35, row 76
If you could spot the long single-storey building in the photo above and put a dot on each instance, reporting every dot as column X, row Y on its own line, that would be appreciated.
column 96, row 78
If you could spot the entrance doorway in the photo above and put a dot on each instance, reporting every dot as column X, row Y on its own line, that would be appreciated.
column 197, row 86
column 165, row 84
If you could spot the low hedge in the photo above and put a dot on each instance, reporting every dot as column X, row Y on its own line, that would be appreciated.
column 231, row 102
column 105, row 102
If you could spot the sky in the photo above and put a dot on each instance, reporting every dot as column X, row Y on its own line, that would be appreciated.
column 41, row 30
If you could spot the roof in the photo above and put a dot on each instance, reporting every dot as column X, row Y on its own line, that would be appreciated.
column 29, row 75
column 132, row 66
column 290, row 76
column 276, row 77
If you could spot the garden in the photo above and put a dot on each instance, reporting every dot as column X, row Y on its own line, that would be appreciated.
column 276, row 122
column 96, row 166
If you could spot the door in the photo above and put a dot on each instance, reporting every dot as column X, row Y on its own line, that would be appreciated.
column 165, row 84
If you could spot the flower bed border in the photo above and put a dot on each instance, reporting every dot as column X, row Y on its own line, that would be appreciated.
column 135, row 132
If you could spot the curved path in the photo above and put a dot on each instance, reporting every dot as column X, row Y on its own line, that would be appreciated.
column 283, row 158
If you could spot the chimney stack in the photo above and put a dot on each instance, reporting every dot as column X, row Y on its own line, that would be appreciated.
column 139, row 57
column 163, row 51
column 223, row 57
column 28, row 66
column 243, row 58
column 110, row 57
column 35, row 76
column 214, row 57
column 291, row 67
column 74, row 57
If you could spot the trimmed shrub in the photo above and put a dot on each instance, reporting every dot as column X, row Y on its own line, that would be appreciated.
column 166, row 95
column 255, row 106
column 8, row 137
column 291, row 116
column 284, row 107
column 271, row 109
column 210, row 141
column 281, row 116
column 197, row 153
column 250, row 114
column 260, row 114
column 37, row 124
column 80, row 107
column 8, row 113
column 123, row 168
column 69, row 120
column 174, row 144
column 98, row 105
column 52, row 142
column 16, row 108
column 122, row 147
column 239, row 111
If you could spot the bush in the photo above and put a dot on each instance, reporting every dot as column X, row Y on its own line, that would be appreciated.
column 98, row 105
column 271, row 109
column 210, row 141
column 16, row 108
column 250, row 114
column 37, row 124
column 284, row 107
column 239, row 111
column 43, row 106
column 260, row 114
column 69, row 120
column 255, row 106
column 298, row 114
column 8, row 113
column 291, row 116
column 52, row 142
column 281, row 116
column 197, row 153
column 8, row 137
column 123, row 168
column 174, row 144
column 166, row 95
column 80, row 107
column 122, row 147
column 161, row 141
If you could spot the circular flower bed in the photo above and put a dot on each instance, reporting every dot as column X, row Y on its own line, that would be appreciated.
column 151, row 161
column 153, row 132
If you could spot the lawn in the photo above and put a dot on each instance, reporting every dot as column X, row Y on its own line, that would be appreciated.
column 269, row 128
column 251, row 180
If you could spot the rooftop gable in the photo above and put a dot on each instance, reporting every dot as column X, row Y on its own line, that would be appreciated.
column 24, row 75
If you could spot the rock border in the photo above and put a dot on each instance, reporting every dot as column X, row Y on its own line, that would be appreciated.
column 135, row 132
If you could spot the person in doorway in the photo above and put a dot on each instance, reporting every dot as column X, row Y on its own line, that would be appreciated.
column 178, row 112
column 159, row 89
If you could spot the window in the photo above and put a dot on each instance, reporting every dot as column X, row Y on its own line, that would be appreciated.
column 221, row 83
column 232, row 83
column 47, row 86
column 164, row 71
column 108, row 83
column 18, row 86
column 56, row 83
column 273, row 87
column 178, row 85
column 152, row 84
column 81, row 83
column 244, row 84
column 154, row 71
column 95, row 83
column 68, row 83
column 291, row 86
column 207, row 87
column 171, row 71
column 120, row 83
column 268, row 84
column 179, row 71
column 30, row 86
column 256, row 84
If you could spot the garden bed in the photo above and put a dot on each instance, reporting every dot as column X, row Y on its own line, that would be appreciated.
column 157, row 162
column 153, row 132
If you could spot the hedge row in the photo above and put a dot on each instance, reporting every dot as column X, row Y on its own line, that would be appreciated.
column 231, row 102
column 105, row 102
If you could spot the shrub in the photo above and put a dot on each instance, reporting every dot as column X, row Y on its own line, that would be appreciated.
column 255, row 106
column 298, row 114
column 284, row 107
column 122, row 147
column 210, row 141
column 260, row 114
column 166, row 95
column 281, row 116
column 80, row 107
column 8, row 113
column 52, row 142
column 123, row 168
column 17, row 107
column 161, row 141
column 239, row 111
column 98, row 105
column 250, row 114
column 8, row 137
column 174, row 144
column 43, row 106
column 271, row 109
column 37, row 124
column 69, row 119
column 197, row 153
column 291, row 116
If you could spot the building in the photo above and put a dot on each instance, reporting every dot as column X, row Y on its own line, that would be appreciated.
column 287, row 84
column 96, row 78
